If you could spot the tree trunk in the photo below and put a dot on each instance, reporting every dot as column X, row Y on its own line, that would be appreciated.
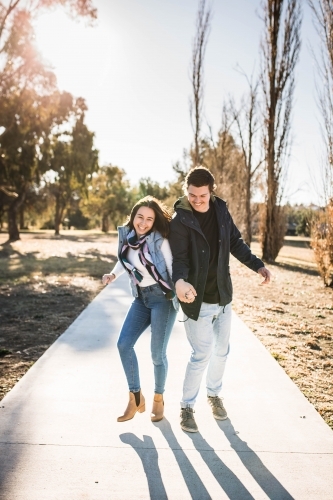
column 14, row 207
column 275, row 229
column 59, row 211
column 280, row 51
column 105, row 223
column 22, row 217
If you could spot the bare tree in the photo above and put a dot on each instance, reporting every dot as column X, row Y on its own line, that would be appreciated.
column 197, row 73
column 280, row 49
column 224, row 158
column 322, row 226
column 323, row 17
column 221, row 148
column 245, row 118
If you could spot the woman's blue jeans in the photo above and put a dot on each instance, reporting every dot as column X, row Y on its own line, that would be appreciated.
column 149, row 308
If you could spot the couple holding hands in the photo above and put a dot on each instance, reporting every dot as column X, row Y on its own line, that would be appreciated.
column 185, row 258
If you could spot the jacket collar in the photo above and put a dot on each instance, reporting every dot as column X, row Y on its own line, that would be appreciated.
column 184, row 204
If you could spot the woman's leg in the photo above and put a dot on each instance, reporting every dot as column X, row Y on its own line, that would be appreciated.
column 135, row 323
column 163, row 316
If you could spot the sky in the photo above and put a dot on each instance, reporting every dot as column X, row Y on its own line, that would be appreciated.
column 132, row 67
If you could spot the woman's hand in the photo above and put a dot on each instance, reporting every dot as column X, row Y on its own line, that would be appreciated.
column 108, row 278
column 185, row 291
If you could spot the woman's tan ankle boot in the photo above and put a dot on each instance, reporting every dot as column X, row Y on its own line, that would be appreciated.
column 132, row 408
column 158, row 408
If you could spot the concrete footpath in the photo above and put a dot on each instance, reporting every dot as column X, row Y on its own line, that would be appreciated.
column 59, row 438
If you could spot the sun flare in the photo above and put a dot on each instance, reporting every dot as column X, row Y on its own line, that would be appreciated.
column 74, row 52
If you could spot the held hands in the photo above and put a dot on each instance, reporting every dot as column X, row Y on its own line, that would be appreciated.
column 185, row 291
column 265, row 273
column 108, row 278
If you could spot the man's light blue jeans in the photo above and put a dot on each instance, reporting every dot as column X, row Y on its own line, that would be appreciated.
column 149, row 308
column 209, row 338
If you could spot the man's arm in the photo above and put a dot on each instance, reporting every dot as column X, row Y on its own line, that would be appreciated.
column 241, row 250
column 265, row 273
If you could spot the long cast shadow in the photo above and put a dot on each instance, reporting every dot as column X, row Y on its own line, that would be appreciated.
column 265, row 479
column 149, row 457
column 228, row 481
column 297, row 268
column 193, row 482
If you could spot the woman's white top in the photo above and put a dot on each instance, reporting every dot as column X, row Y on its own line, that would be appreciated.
column 133, row 257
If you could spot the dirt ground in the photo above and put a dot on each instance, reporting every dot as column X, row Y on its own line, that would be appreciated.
column 46, row 281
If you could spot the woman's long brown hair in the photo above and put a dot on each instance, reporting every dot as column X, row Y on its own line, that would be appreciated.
column 161, row 211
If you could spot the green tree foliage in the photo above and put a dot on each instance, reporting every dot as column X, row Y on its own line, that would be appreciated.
column 72, row 160
column 300, row 217
column 24, row 83
column 148, row 187
column 110, row 198
column 30, row 105
column 28, row 119
column 27, row 147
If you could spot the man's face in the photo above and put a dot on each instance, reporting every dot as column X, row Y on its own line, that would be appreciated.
column 199, row 198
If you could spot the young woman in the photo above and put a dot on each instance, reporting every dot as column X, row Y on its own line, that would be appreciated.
column 144, row 253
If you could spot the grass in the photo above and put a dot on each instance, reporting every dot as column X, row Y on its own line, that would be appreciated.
column 277, row 356
column 295, row 251
column 41, row 254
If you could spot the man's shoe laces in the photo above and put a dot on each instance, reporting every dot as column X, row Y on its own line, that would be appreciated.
column 188, row 411
column 216, row 401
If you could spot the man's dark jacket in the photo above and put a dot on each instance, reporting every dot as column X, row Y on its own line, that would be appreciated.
column 190, row 251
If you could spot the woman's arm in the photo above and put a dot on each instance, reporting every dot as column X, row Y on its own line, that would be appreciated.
column 118, row 270
column 114, row 274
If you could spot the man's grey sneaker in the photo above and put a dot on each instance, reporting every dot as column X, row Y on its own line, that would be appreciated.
column 187, row 422
column 217, row 407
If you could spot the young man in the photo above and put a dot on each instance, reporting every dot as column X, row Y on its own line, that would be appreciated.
column 202, row 236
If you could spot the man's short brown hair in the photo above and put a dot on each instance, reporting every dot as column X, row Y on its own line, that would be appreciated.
column 198, row 177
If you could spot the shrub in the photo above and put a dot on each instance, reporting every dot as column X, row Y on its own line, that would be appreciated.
column 322, row 243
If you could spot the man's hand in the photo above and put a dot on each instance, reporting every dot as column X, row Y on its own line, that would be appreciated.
column 108, row 278
column 265, row 273
column 185, row 291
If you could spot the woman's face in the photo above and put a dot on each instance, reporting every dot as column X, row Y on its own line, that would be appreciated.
column 144, row 220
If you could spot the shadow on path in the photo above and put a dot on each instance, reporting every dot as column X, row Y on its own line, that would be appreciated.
column 228, row 481
column 149, row 457
column 193, row 482
column 265, row 479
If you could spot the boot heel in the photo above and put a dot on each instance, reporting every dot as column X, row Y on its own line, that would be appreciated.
column 142, row 408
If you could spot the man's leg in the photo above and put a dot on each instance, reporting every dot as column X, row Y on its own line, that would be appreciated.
column 216, row 367
column 200, row 335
